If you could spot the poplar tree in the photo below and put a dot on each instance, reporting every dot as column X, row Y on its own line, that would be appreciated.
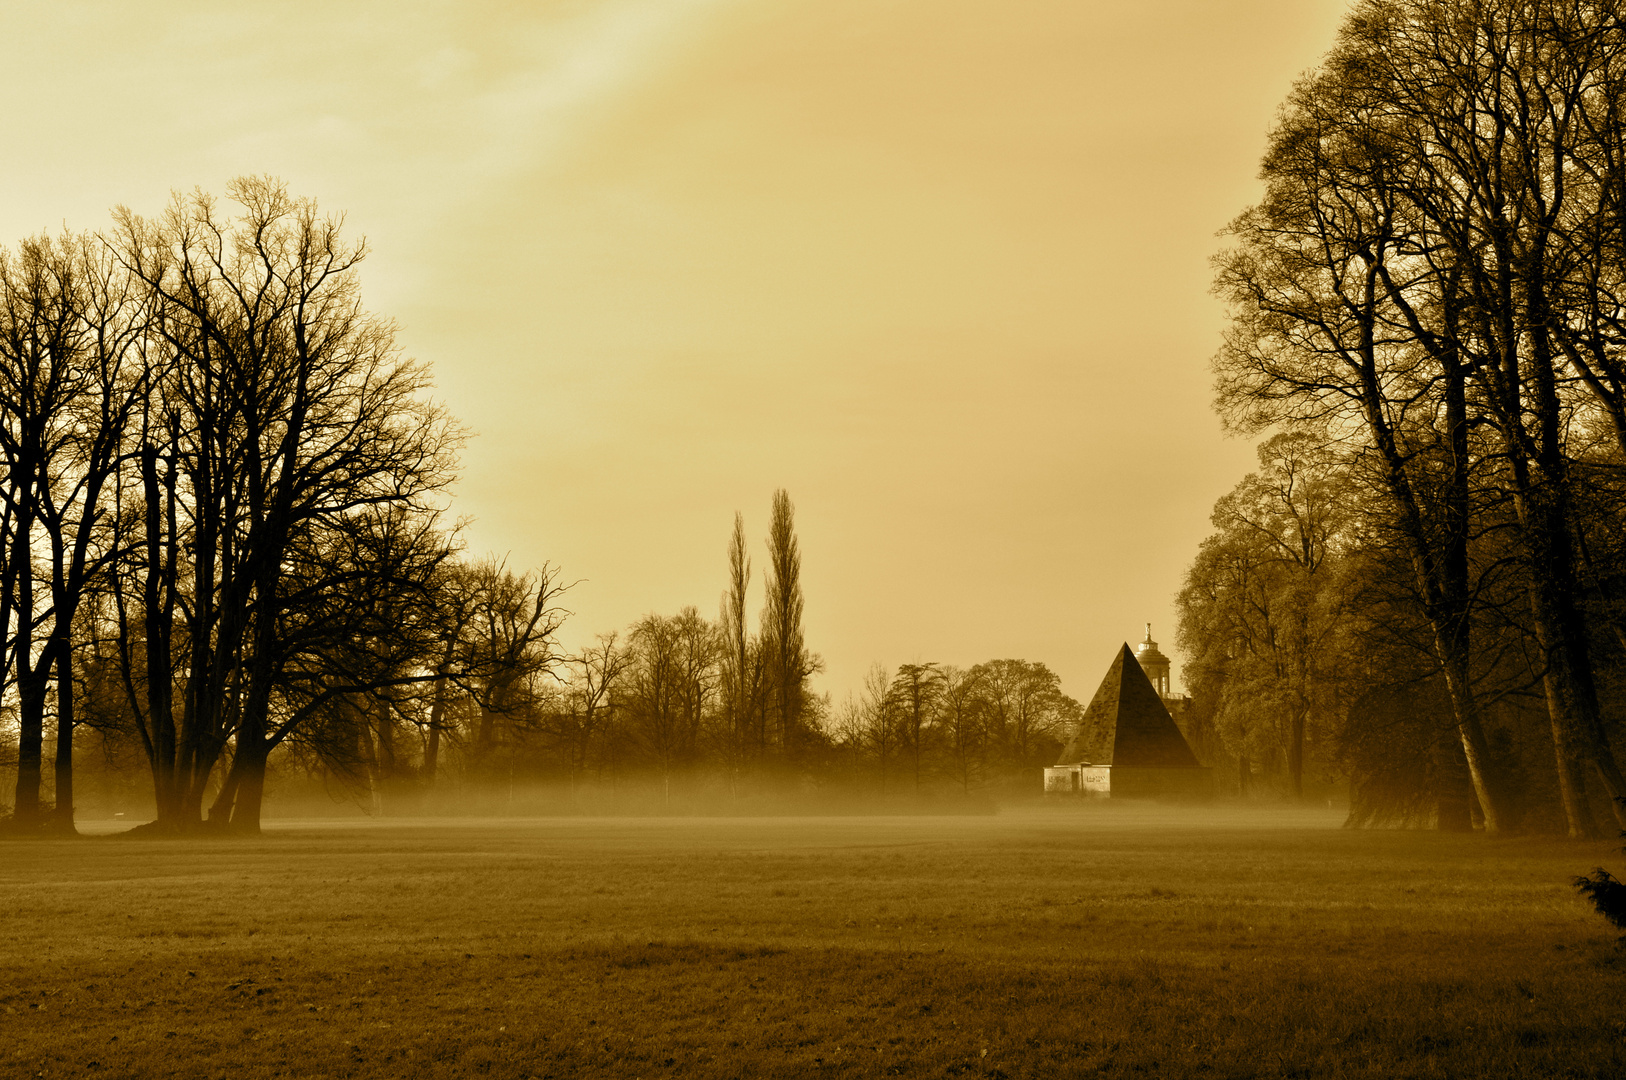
column 788, row 662
column 739, row 670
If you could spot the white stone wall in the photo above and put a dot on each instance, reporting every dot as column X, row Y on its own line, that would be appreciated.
column 1095, row 780
column 1061, row 779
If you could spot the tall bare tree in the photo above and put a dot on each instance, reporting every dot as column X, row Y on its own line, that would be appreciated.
column 72, row 326
column 287, row 406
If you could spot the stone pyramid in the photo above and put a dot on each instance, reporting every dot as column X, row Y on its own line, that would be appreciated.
column 1127, row 725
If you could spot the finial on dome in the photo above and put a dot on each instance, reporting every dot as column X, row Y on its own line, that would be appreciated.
column 1148, row 631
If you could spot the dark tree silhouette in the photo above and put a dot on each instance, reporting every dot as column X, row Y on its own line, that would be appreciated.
column 1438, row 253
column 914, row 695
column 786, row 654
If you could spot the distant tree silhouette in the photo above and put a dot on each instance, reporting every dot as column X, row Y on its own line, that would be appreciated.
column 962, row 721
column 913, row 697
column 670, row 684
column 789, row 663
column 590, row 698
column 744, row 726
column 878, row 719
column 1026, row 712
column 1264, row 614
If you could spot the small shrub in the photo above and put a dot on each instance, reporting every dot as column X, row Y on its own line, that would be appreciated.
column 1607, row 893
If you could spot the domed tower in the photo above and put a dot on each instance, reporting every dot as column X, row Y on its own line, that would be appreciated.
column 1155, row 664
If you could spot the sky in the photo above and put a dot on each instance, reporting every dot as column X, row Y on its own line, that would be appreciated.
column 938, row 268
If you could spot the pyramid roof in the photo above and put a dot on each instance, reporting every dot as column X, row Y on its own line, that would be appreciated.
column 1127, row 725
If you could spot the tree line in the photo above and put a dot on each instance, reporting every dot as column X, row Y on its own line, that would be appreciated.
column 222, row 486
column 1420, row 591
column 226, row 562
column 679, row 711
column 676, row 712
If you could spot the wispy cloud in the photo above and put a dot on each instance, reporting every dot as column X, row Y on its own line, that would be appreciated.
column 411, row 112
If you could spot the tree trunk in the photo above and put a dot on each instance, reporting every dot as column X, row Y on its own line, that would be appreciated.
column 1449, row 614
column 31, row 690
column 372, row 754
column 437, row 713
column 1452, row 785
column 220, row 811
column 1471, row 734
column 1567, row 681
column 157, row 599
column 485, row 739
column 62, row 816
column 1567, row 760
column 1295, row 756
column 30, row 749
column 27, row 807
column 245, row 815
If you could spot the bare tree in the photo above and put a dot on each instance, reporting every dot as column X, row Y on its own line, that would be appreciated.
column 876, row 710
column 1438, row 237
column 508, row 647
column 851, row 729
column 286, row 405
column 913, row 696
column 671, row 679
column 1025, row 709
column 589, row 698
column 1264, row 598
column 72, row 325
column 960, row 715
column 455, row 597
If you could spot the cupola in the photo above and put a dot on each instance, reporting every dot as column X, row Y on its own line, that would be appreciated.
column 1155, row 664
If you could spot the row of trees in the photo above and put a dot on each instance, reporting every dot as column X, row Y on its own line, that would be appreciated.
column 680, row 694
column 1428, row 306
column 676, row 711
column 660, row 709
column 225, row 561
column 478, row 709
column 993, row 724
column 223, row 547
column 220, row 534
column 683, row 702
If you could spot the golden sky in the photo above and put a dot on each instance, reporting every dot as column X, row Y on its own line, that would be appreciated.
column 937, row 267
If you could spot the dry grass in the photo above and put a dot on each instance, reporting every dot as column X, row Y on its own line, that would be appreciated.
column 1083, row 941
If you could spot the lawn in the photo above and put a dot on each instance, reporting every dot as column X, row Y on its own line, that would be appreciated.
column 1095, row 940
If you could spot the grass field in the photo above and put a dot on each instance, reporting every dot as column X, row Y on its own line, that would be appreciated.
column 1096, row 940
